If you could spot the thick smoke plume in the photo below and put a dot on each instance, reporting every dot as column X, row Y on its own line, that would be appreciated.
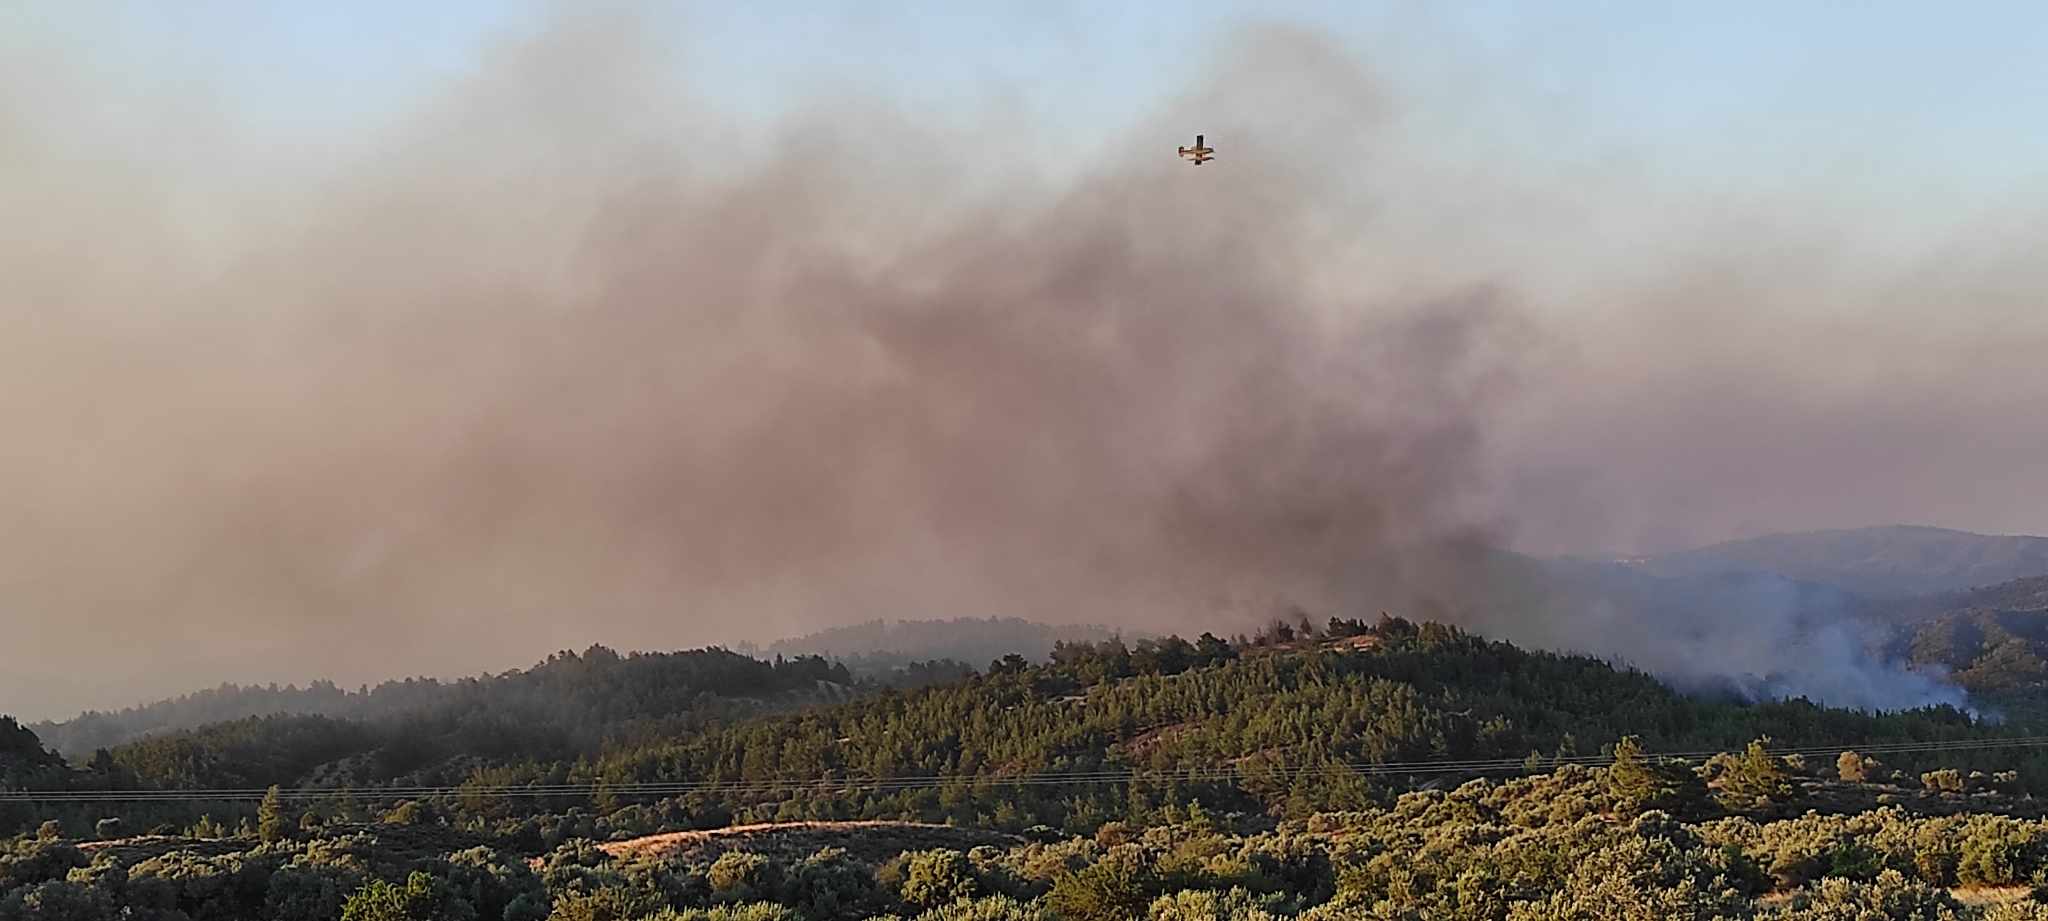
column 565, row 356
column 529, row 373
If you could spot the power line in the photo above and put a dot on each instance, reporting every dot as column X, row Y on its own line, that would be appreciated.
column 1242, row 770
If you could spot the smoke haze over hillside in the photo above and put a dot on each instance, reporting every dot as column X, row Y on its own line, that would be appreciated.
column 567, row 355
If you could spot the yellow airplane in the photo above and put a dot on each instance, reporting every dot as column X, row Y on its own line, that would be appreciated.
column 1198, row 153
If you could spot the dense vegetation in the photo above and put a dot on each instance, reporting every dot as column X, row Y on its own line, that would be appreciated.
column 1286, row 816
column 24, row 763
column 580, row 692
column 1297, row 700
column 432, row 731
column 1273, row 707
column 1991, row 640
column 1988, row 652
column 1573, row 843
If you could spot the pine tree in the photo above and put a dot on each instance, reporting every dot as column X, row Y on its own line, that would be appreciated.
column 1629, row 780
column 1639, row 783
column 273, row 823
column 1758, row 775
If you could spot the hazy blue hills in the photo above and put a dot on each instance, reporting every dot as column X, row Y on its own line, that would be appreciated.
column 1894, row 561
column 882, row 644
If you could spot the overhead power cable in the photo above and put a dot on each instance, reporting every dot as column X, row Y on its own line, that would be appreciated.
column 1246, row 769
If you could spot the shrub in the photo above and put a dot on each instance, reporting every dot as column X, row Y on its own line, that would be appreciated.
column 1116, row 888
column 741, row 876
column 937, row 877
column 605, row 903
column 1857, row 768
column 422, row 898
column 1946, row 780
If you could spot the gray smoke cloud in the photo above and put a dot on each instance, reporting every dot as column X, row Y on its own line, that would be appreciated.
column 563, row 357
column 1749, row 636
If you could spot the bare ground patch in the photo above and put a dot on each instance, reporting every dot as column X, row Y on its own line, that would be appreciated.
column 870, row 840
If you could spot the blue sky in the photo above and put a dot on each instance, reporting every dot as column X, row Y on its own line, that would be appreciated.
column 1959, row 88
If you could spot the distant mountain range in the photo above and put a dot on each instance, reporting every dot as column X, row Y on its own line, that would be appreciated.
column 884, row 644
column 1896, row 561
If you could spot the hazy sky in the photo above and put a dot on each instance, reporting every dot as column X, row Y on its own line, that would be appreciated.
column 352, row 340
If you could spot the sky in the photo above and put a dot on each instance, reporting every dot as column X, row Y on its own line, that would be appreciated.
column 389, row 338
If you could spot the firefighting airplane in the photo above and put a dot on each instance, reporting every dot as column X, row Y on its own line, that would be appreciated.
column 1198, row 153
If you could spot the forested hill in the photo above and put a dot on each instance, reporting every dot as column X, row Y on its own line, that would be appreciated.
column 570, row 695
column 1288, row 704
column 1992, row 640
column 1254, row 718
column 903, row 653
column 23, row 761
